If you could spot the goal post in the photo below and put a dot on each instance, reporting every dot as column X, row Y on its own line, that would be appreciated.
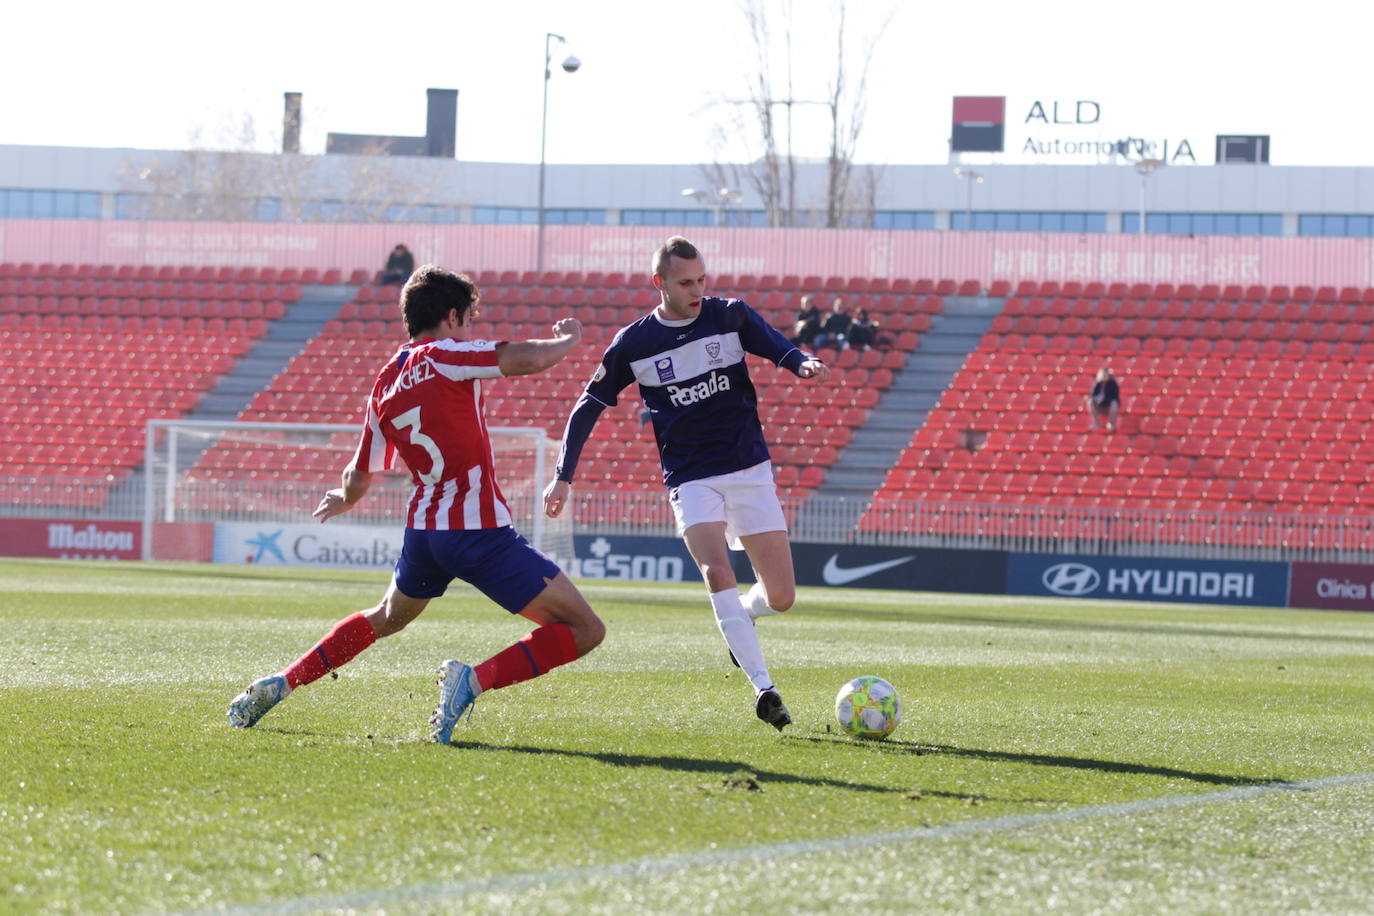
column 212, row 482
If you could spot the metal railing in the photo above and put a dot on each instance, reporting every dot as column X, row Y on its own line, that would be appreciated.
column 1332, row 537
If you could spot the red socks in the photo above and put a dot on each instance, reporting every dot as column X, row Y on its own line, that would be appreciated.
column 541, row 650
column 349, row 637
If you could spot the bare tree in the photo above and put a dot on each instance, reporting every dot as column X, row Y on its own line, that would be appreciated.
column 766, row 176
column 848, row 106
column 224, row 180
column 773, row 175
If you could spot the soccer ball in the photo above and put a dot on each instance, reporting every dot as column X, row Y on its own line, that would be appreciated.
column 868, row 707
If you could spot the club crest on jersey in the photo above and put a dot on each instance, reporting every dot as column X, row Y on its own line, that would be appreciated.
column 713, row 349
column 664, row 367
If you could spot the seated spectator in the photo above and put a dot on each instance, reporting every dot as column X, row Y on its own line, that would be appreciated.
column 863, row 333
column 808, row 323
column 1104, row 404
column 399, row 266
column 835, row 330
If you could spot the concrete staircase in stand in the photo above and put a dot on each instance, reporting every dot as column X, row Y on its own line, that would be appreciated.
column 903, row 407
column 305, row 318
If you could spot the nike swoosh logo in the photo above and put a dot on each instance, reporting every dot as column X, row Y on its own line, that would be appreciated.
column 834, row 575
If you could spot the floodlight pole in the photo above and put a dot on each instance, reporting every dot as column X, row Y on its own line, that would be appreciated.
column 972, row 178
column 570, row 65
column 1145, row 167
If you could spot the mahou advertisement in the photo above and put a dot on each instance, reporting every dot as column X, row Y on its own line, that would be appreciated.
column 70, row 539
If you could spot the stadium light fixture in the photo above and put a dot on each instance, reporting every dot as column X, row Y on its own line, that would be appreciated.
column 571, row 64
column 973, row 178
column 719, row 199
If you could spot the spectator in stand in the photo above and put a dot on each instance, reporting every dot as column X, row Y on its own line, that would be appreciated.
column 1104, row 404
column 863, row 333
column 835, row 330
column 400, row 264
column 808, row 323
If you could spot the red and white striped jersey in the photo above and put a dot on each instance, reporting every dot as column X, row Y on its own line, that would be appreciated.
column 427, row 405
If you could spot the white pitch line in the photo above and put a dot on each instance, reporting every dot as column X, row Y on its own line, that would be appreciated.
column 650, row 868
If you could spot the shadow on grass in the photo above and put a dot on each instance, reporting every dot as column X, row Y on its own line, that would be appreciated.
column 706, row 767
column 897, row 746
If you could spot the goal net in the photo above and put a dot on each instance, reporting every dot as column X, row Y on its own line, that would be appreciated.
column 244, row 492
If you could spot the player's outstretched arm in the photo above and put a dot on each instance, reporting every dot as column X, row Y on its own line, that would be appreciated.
column 575, row 434
column 526, row 357
column 337, row 502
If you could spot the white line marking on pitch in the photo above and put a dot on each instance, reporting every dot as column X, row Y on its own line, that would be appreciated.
column 648, row 868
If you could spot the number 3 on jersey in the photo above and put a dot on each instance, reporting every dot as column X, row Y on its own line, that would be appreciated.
column 411, row 420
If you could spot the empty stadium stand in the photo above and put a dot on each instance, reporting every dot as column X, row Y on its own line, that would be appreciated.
column 97, row 350
column 1241, row 401
column 1236, row 399
column 808, row 425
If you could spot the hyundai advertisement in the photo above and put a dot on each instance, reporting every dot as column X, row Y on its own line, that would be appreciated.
column 1148, row 579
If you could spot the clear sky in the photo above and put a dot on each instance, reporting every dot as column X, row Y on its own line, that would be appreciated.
column 656, row 78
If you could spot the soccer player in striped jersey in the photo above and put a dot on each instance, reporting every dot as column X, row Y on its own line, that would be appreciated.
column 426, row 407
column 688, row 357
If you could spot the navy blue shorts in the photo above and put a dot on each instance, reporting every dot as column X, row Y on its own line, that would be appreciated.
column 499, row 562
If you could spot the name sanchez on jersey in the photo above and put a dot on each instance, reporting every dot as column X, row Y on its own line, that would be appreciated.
column 412, row 375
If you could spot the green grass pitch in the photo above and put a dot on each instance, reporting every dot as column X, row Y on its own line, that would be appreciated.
column 637, row 779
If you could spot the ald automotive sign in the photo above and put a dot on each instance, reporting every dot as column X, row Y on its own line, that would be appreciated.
column 1148, row 579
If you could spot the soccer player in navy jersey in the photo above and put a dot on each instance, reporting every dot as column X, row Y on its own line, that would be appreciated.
column 688, row 357
column 427, row 407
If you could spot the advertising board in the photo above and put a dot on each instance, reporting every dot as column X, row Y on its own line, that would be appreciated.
column 1339, row 586
column 1148, row 579
column 71, row 539
column 342, row 546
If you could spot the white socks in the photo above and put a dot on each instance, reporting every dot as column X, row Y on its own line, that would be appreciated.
column 739, row 634
column 756, row 602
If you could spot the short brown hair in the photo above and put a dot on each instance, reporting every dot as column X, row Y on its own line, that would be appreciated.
column 675, row 247
column 429, row 294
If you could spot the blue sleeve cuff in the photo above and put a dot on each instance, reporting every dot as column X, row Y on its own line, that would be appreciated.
column 580, row 424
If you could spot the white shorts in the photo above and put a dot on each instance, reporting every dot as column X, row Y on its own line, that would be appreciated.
column 747, row 501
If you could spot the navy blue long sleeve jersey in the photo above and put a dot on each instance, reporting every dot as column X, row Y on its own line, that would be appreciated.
column 694, row 380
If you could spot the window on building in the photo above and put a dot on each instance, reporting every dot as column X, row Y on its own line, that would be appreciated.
column 667, row 218
column 64, row 205
column 506, row 216
column 88, row 204
column 128, row 206
column 18, row 204
column 567, row 217
column 1029, row 221
column 1204, row 223
column 904, row 219
column 1340, row 225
